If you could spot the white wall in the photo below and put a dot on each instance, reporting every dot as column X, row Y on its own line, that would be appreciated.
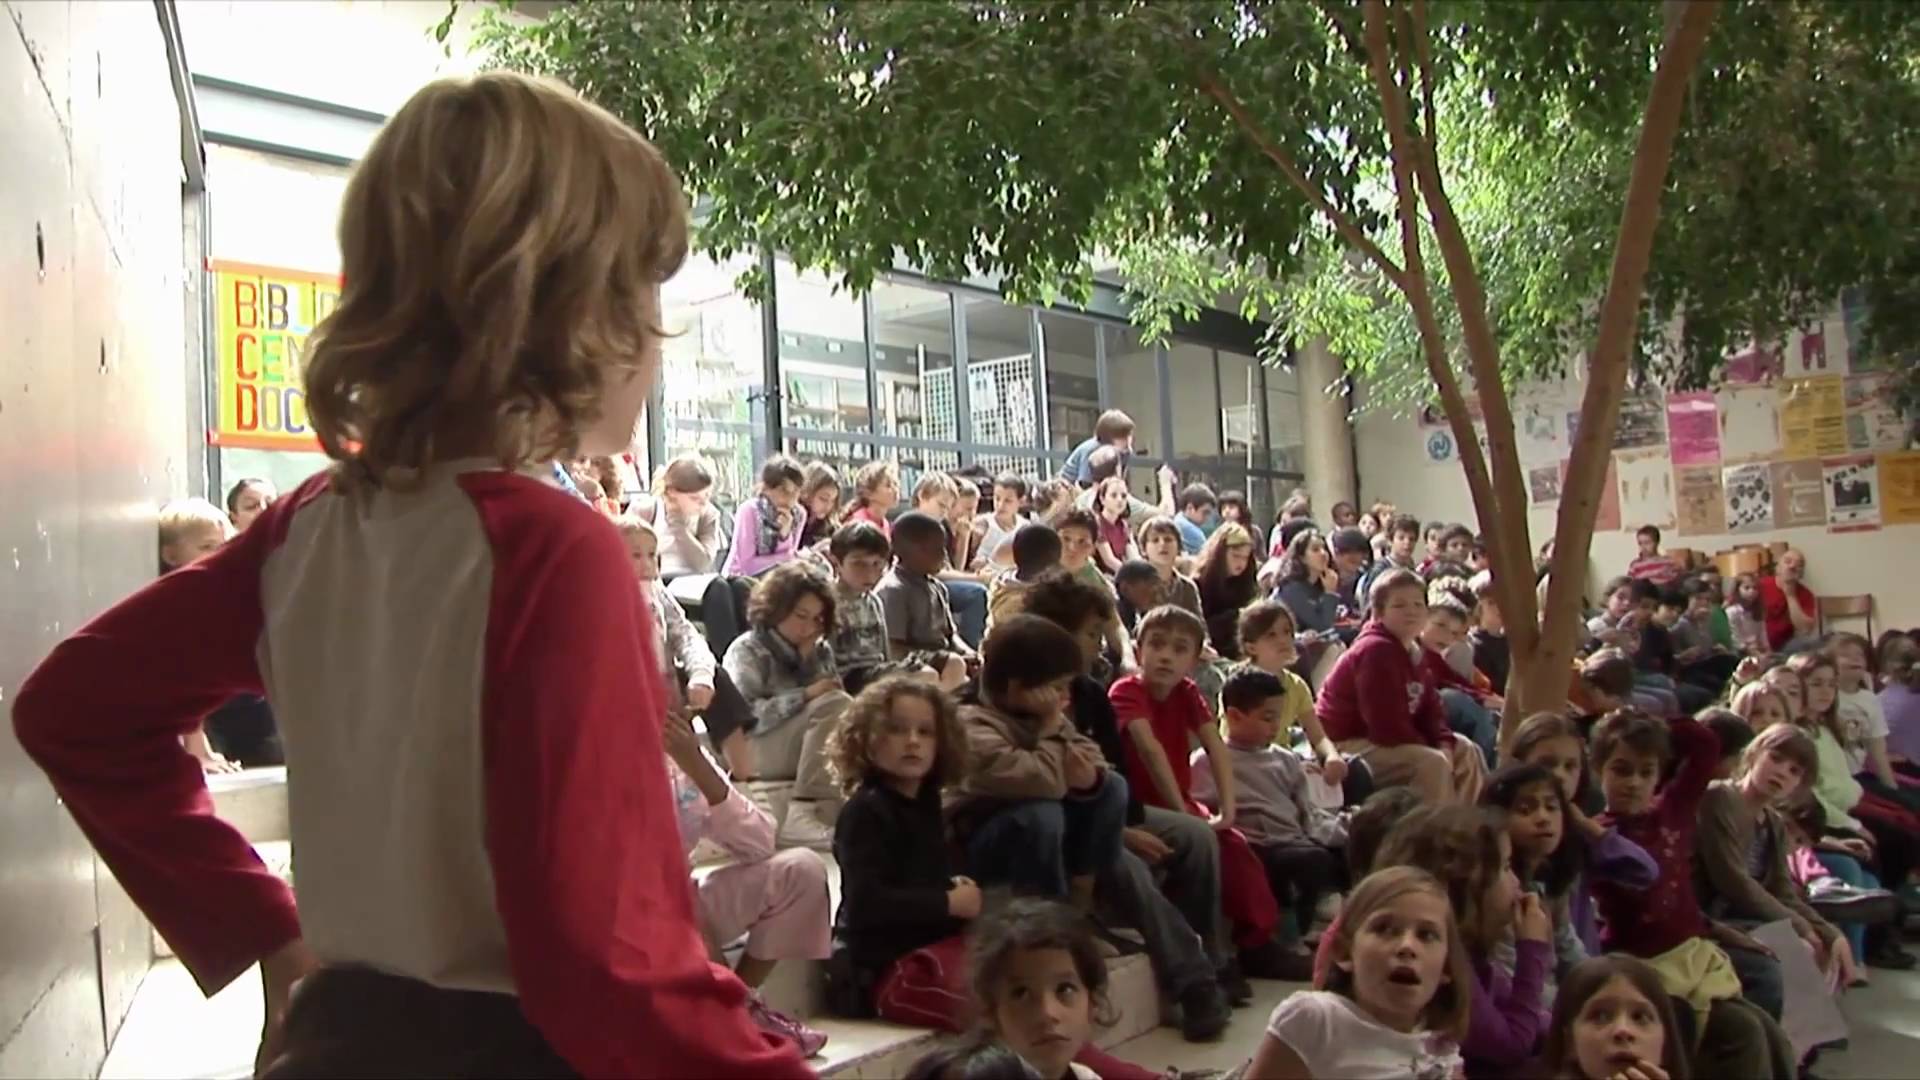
column 1393, row 465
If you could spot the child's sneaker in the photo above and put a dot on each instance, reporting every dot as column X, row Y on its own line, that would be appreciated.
column 774, row 1022
column 805, row 827
column 1234, row 985
column 1203, row 1012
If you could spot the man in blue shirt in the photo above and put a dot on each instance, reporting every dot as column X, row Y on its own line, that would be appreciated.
column 1115, row 429
column 1196, row 506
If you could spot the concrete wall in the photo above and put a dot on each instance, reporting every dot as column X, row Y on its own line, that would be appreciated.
column 96, row 418
column 1393, row 465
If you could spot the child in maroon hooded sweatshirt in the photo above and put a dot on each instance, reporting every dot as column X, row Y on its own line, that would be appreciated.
column 1377, row 704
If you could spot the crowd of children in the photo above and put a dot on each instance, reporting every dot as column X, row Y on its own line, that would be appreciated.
column 1019, row 730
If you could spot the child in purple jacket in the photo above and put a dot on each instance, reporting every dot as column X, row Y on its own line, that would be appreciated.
column 767, row 527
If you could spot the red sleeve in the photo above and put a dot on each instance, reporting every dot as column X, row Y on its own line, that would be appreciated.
column 103, row 715
column 1696, row 750
column 1130, row 701
column 589, row 874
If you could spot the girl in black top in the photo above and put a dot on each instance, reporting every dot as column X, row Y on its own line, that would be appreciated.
column 899, row 744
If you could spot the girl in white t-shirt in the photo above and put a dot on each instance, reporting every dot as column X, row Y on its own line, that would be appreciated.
column 1396, row 997
column 1863, row 723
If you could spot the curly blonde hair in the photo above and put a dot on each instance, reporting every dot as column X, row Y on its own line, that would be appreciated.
column 502, row 244
column 849, row 748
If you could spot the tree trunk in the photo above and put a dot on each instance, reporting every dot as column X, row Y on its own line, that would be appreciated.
column 1545, row 673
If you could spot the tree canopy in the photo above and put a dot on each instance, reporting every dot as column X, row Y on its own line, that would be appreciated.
column 1311, row 159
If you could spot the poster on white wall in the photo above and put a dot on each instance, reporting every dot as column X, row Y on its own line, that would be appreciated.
column 1799, row 494
column 1699, row 505
column 1646, row 489
column 1749, row 423
column 1440, row 447
column 1811, row 352
column 1543, row 484
column 1643, row 422
column 1853, row 494
column 1749, row 490
column 1873, row 418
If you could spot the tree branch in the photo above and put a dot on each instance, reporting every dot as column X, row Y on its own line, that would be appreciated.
column 1509, row 545
column 1402, row 151
column 1348, row 229
column 1346, row 35
column 1687, row 28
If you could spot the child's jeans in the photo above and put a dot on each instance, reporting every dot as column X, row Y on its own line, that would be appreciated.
column 969, row 602
column 1035, row 845
column 1470, row 718
column 1848, row 869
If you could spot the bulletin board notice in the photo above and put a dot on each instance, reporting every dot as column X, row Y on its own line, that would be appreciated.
column 262, row 316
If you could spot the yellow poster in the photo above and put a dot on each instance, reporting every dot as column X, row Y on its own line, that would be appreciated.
column 1900, row 488
column 1813, row 417
column 262, row 317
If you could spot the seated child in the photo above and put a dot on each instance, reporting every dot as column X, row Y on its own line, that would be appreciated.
column 1467, row 849
column 1161, row 711
column 1037, row 807
column 191, row 530
column 1040, row 988
column 1291, row 836
column 1862, row 721
column 1554, row 742
column 1546, row 859
column 1606, row 683
column 247, row 500
column 1613, row 1020
column 1367, row 829
column 1115, row 545
column 1267, row 642
column 784, row 668
column 978, row 1057
column 1491, row 657
column 996, row 530
column 777, row 900
column 767, row 527
column 936, row 496
column 1180, row 847
column 859, row 554
column 1036, row 550
column 1160, row 544
column 1077, row 537
column 1747, row 617
column 1695, row 661
column 1737, row 820
column 896, row 936
column 876, row 491
column 686, row 660
column 1138, row 587
column 1472, row 708
column 1376, row 706
column 1395, row 1000
column 1663, row 923
column 918, row 607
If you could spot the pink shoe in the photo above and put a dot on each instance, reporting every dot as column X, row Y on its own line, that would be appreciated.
column 775, row 1022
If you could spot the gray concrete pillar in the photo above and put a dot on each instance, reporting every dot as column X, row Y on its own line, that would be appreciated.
column 1326, row 433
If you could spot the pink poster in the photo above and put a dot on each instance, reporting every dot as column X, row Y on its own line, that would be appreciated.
column 1693, row 428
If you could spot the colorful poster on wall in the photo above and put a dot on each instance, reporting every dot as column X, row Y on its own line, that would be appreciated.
column 1853, row 493
column 262, row 318
column 1700, row 506
column 1643, row 422
column 1799, row 494
column 1900, row 488
column 1693, row 428
column 1754, row 365
column 1606, row 517
column 1749, row 423
column 1646, row 488
column 1543, row 484
column 1813, row 417
column 1810, row 353
column 1873, row 419
column 1749, row 494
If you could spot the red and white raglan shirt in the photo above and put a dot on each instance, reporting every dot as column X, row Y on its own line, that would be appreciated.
column 477, row 792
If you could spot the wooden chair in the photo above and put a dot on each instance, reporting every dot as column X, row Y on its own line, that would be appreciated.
column 1846, row 607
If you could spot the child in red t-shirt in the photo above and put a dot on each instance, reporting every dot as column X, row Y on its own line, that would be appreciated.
column 1161, row 711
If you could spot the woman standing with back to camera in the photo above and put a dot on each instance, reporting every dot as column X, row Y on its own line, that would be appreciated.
column 490, row 877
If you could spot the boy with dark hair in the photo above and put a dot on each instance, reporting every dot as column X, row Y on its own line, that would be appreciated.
column 1472, row 709
column 1663, row 923
column 1138, row 587
column 859, row 554
column 1375, row 704
column 1038, row 810
column 1606, row 681
column 918, row 611
column 1036, row 550
column 1456, row 544
column 1351, row 551
column 1432, row 537
column 1176, row 844
column 1686, row 611
column 1291, row 836
column 1114, row 428
column 1491, row 656
column 1649, row 564
column 1403, row 532
column 1161, row 711
column 1196, row 509
column 998, row 528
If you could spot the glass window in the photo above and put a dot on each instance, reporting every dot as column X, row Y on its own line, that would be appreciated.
column 913, row 370
column 1196, row 410
column 1245, row 445
column 1001, row 393
column 823, row 364
column 1283, row 421
column 711, row 372
column 1133, row 387
column 1073, row 382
